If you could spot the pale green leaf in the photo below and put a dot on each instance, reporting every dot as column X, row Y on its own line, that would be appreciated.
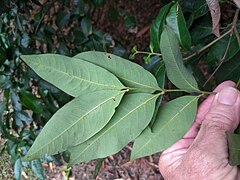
column 131, row 117
column 173, row 121
column 73, row 77
column 76, row 122
column 176, row 71
column 130, row 74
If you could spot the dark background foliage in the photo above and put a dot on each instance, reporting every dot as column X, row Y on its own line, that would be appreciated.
column 70, row 27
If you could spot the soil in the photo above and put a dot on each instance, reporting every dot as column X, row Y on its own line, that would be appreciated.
column 114, row 167
column 144, row 12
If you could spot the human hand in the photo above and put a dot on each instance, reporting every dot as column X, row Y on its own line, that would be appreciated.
column 203, row 153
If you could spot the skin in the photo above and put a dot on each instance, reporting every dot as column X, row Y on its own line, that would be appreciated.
column 203, row 152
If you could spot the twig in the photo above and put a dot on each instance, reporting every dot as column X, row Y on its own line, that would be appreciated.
column 207, row 46
column 227, row 48
column 238, row 84
column 237, row 36
column 44, row 14
column 151, row 164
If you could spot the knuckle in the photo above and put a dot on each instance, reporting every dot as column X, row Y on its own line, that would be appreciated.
column 219, row 120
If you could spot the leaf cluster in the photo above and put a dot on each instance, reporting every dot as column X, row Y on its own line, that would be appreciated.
column 111, row 101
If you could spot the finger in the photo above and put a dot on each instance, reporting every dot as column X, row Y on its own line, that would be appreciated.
column 204, row 108
column 223, row 116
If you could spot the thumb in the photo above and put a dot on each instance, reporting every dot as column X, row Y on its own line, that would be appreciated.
column 223, row 116
column 224, row 113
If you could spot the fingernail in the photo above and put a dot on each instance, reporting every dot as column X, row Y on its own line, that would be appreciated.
column 228, row 96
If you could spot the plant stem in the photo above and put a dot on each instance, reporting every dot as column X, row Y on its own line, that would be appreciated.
column 188, row 91
column 143, row 89
column 148, row 53
column 163, row 91
column 238, row 84
column 227, row 48
column 207, row 46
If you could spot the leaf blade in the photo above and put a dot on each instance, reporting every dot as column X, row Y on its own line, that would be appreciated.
column 176, row 71
column 126, row 71
column 157, row 27
column 176, row 117
column 234, row 148
column 176, row 21
column 73, row 77
column 77, row 126
column 112, row 137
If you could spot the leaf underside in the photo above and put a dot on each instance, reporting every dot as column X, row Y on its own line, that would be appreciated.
column 76, row 122
column 130, row 74
column 173, row 120
column 73, row 77
column 176, row 71
column 132, row 116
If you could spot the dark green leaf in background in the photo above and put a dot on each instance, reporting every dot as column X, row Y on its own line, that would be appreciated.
column 30, row 101
column 18, row 169
column 130, row 22
column 37, row 168
column 131, row 117
column 230, row 70
column 197, row 8
column 176, row 71
column 219, row 48
column 75, row 122
column 130, row 74
column 75, row 77
column 234, row 148
column 201, row 29
column 175, row 20
column 62, row 19
column 86, row 26
column 158, row 71
column 157, row 27
column 173, row 121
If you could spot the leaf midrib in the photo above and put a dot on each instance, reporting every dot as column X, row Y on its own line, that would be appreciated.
column 120, row 77
column 86, row 114
column 177, row 65
column 156, row 134
column 116, row 124
column 77, row 77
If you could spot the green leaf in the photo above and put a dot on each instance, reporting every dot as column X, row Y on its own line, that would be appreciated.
column 18, row 169
column 176, row 21
column 131, row 117
column 130, row 74
column 30, row 101
column 230, row 70
column 173, row 121
column 76, row 122
column 159, row 73
column 157, row 27
column 37, row 168
column 198, row 8
column 130, row 22
column 219, row 48
column 234, row 148
column 86, row 26
column 71, row 76
column 98, row 167
column 176, row 71
column 201, row 29
column 62, row 19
